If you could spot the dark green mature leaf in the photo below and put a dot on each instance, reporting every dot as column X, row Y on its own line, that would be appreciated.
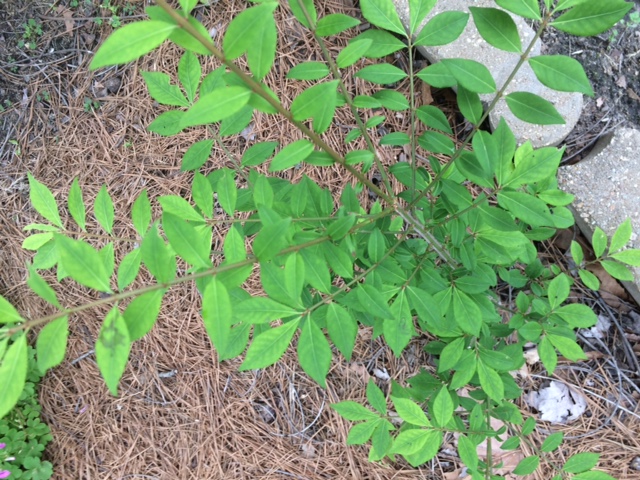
column 410, row 412
column 591, row 18
column 472, row 75
column 112, row 349
column 425, row 305
column 532, row 108
column 442, row 29
column 161, row 90
column 466, row 313
column 561, row 73
column 141, row 314
column 317, row 102
column 158, row 257
column 271, row 240
column 267, row 348
column 168, row 123
column 314, row 352
column 309, row 71
column 131, row 42
column 299, row 10
column 42, row 200
column 490, row 382
column 442, row 407
column 40, row 287
column 334, row 24
column 497, row 28
column 382, row 74
column 383, row 14
column 524, row 8
column 76, row 204
column 217, row 312
column 353, row 52
column 527, row 465
column 141, row 213
column 256, row 310
column 216, row 106
column 396, row 139
column 83, row 263
column 450, row 355
column 103, row 210
column 371, row 299
column 433, row 117
column 291, row 155
column 13, row 374
column 470, row 105
column 52, row 344
column 192, row 244
column 342, row 328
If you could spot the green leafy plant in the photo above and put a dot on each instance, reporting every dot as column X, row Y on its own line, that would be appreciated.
column 23, row 435
column 32, row 31
column 421, row 263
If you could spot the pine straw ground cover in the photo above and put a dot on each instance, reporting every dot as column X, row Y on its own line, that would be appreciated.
column 181, row 414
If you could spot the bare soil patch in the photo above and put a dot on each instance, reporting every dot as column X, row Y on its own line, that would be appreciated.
column 180, row 413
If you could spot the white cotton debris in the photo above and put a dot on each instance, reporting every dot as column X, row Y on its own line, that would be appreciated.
column 599, row 330
column 557, row 403
column 381, row 374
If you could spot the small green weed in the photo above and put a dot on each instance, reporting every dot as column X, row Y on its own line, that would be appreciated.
column 90, row 105
column 32, row 31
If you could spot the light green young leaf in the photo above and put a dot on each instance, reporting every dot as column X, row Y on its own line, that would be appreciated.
column 216, row 106
column 470, row 105
column 552, row 442
column 353, row 52
column 567, row 347
column 227, row 193
column 621, row 236
column 294, row 275
column 42, row 200
column 472, row 75
column 558, row 290
column 189, row 73
column 490, row 382
column 410, row 412
column 382, row 74
column 442, row 29
column 158, row 257
column 532, row 108
column 141, row 213
column 371, row 299
column 591, row 18
column 527, row 465
column 314, row 352
column 383, row 43
column 130, row 42
column 168, row 123
column 561, row 73
column 51, row 344
column 589, row 280
column 37, row 240
column 342, row 328
column 83, row 263
column 442, row 407
column 217, row 312
column 399, row 329
column 617, row 270
column 383, row 14
column 299, row 7
column 317, row 102
column 376, row 398
column 40, row 287
column 409, row 442
column 103, row 210
column 112, row 349
column 309, row 71
column 291, row 155
column 497, row 28
column 353, row 411
column 581, row 462
column 161, row 90
column 548, row 355
column 188, row 5
column 258, row 153
column 361, row 432
column 267, row 348
column 418, row 10
column 599, row 242
column 202, row 194
column 129, row 268
column 76, row 204
column 13, row 374
column 193, row 245
column 524, row 8
column 334, row 24
column 271, row 240
column 630, row 257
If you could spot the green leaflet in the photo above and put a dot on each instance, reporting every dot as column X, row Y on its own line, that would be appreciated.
column 52, row 344
column 532, row 108
column 158, row 257
column 318, row 103
column 526, row 207
column 112, row 349
column 399, row 329
column 301, row 12
column 269, row 346
column 294, row 275
column 141, row 213
column 215, row 106
column 433, row 117
column 524, row 8
column 497, row 28
column 468, row 452
column 442, row 29
column 13, row 374
column 558, row 290
column 40, row 287
column 472, row 75
column 382, row 74
column 383, row 14
column 189, row 73
column 309, row 71
column 561, row 73
column 191, row 243
column 621, row 236
column 76, row 204
column 202, row 194
column 591, row 18
column 334, row 24
column 527, row 465
column 370, row 299
column 442, row 407
column 353, row 52
column 548, row 355
column 129, row 268
column 271, row 240
column 314, row 352
column 258, row 153
column 410, row 412
column 466, row 313
column 581, row 462
column 42, row 200
column 83, row 263
column 490, row 382
column 257, row 310
column 162, row 91
column 217, row 313
column 534, row 166
column 418, row 10
column 131, row 42
column 470, row 105
column 316, row 270
column 168, row 123
column 291, row 155
column 103, row 210
column 141, row 314
column 353, row 411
